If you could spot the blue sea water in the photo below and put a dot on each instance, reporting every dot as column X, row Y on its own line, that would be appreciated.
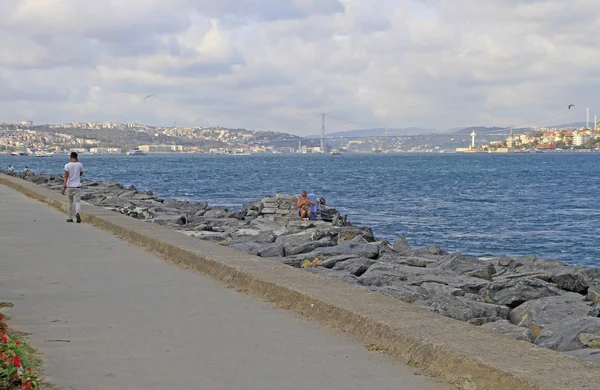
column 517, row 204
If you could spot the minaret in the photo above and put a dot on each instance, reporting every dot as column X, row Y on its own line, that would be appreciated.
column 473, row 135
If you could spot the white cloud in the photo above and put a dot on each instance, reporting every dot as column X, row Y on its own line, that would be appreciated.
column 275, row 64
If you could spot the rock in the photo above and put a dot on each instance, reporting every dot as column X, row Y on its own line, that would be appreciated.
column 539, row 313
column 589, row 340
column 401, row 246
column 467, row 266
column 429, row 289
column 594, row 293
column 165, row 220
column 350, row 232
column 468, row 284
column 513, row 293
column 127, row 194
column 483, row 320
column 308, row 247
column 116, row 202
column 510, row 330
column 332, row 261
column 571, row 279
column 132, row 188
column 588, row 354
column 144, row 196
column 238, row 215
column 269, row 210
column 216, row 214
column 357, row 246
column 429, row 251
column 381, row 275
column 271, row 250
column 463, row 309
column 356, row 267
column 564, row 336
column 405, row 293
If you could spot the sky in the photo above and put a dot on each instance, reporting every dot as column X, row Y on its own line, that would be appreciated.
column 277, row 64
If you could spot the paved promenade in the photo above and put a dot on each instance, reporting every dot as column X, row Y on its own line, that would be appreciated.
column 107, row 315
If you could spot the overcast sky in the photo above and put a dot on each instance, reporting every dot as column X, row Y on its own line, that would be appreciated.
column 277, row 64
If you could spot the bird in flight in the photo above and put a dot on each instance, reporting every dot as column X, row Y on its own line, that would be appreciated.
column 149, row 96
column 571, row 105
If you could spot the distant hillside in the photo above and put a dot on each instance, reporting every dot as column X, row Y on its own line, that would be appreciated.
column 377, row 132
column 576, row 125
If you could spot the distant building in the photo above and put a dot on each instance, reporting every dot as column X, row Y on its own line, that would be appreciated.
column 581, row 137
column 26, row 123
column 161, row 148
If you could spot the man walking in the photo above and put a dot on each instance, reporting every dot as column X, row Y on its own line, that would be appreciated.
column 72, row 186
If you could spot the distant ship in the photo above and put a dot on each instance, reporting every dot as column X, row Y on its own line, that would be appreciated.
column 377, row 149
column 336, row 152
column 21, row 153
column 44, row 154
column 136, row 152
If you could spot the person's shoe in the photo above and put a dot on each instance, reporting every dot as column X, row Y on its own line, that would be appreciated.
column 70, row 220
column 78, row 217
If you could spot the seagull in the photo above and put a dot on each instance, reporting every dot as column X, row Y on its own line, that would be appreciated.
column 149, row 96
column 571, row 105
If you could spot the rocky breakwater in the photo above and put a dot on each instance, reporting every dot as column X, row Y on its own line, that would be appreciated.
column 544, row 302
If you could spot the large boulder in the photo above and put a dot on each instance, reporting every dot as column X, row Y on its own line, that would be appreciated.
column 594, row 293
column 564, row 335
column 350, row 232
column 510, row 330
column 402, row 247
column 431, row 251
column 356, row 267
column 307, row 247
column 514, row 292
column 470, row 266
column 403, row 292
column 463, row 309
column 539, row 313
column 357, row 246
column 332, row 261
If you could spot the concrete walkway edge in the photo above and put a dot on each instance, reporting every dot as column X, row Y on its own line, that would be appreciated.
column 456, row 352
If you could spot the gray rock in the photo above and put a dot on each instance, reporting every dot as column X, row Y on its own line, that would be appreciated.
column 357, row 246
column 468, row 284
column 467, row 266
column 513, row 293
column 564, row 335
column 405, row 293
column 271, row 250
column 165, row 220
column 116, row 202
column 402, row 247
column 350, row 232
column 356, row 267
column 539, row 313
column 588, row 354
column 144, row 196
column 510, row 330
column 240, row 215
column 290, row 241
column 429, row 251
column 216, row 214
column 307, row 247
column 483, row 320
column 381, row 275
column 429, row 289
column 332, row 261
column 132, row 188
column 463, row 309
column 127, row 194
column 594, row 293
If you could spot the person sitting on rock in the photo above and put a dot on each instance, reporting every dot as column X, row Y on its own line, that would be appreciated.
column 11, row 169
column 304, row 204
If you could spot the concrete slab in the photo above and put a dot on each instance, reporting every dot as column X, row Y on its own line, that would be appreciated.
column 109, row 315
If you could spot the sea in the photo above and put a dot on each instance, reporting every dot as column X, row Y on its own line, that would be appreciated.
column 546, row 204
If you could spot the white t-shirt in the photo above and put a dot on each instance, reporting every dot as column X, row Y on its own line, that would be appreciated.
column 75, row 170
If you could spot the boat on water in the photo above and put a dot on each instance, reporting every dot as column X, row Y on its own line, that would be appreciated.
column 377, row 149
column 14, row 154
column 136, row 152
column 336, row 152
column 44, row 154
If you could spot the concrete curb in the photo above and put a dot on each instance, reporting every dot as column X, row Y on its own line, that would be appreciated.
column 461, row 354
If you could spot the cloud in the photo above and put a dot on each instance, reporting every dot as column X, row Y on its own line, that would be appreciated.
column 277, row 64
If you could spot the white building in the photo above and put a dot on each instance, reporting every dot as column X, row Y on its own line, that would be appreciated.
column 581, row 137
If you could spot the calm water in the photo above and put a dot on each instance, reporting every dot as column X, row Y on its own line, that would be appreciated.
column 544, row 204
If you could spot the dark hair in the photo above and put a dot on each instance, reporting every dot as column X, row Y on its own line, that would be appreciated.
column 73, row 154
